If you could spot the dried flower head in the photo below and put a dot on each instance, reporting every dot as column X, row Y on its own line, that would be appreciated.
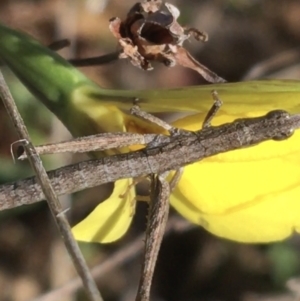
column 151, row 32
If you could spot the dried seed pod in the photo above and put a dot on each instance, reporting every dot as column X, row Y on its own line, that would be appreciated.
column 152, row 33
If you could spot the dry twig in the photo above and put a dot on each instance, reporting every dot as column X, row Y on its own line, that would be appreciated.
column 51, row 197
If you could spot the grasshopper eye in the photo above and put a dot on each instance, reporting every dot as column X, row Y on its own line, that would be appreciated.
column 277, row 114
column 280, row 115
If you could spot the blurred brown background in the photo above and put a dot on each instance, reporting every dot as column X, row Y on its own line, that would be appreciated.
column 248, row 39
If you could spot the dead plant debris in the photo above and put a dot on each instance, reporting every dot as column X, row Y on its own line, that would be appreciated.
column 151, row 32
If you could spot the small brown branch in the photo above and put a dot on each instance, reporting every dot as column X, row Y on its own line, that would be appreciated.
column 156, row 225
column 49, row 193
column 86, row 62
column 60, row 44
column 122, row 256
column 95, row 61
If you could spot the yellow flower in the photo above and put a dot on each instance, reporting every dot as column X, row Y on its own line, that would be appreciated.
column 249, row 195
column 244, row 195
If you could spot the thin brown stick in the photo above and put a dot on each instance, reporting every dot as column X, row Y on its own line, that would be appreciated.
column 60, row 44
column 51, row 197
column 273, row 65
column 156, row 225
column 86, row 62
column 95, row 61
column 122, row 256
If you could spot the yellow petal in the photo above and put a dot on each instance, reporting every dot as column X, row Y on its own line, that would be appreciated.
column 248, row 195
column 111, row 219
